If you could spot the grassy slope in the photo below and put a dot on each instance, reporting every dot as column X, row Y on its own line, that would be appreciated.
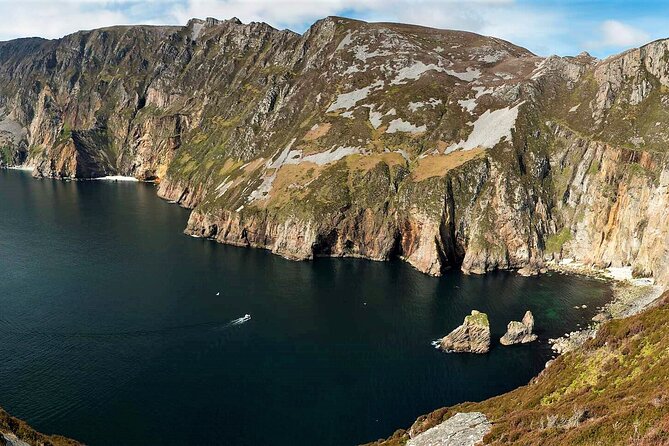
column 29, row 435
column 613, row 391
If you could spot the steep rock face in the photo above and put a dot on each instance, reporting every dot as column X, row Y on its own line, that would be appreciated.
column 304, row 145
column 473, row 336
column 519, row 332
column 12, row 141
column 446, row 149
column 612, row 207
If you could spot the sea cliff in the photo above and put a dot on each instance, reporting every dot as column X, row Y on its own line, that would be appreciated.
column 444, row 148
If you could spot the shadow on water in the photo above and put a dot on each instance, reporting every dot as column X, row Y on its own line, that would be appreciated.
column 114, row 328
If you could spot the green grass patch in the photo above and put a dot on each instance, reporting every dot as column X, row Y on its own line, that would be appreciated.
column 555, row 242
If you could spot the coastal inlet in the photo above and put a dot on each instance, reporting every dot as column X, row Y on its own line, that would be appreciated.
column 339, row 347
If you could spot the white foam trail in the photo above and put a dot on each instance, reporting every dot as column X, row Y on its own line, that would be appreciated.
column 115, row 334
column 26, row 168
column 241, row 320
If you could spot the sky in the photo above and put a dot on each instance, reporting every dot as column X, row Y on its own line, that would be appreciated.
column 545, row 27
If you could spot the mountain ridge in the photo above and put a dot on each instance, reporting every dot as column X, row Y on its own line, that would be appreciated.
column 443, row 148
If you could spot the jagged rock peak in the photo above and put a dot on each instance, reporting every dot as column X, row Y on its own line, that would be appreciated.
column 211, row 21
column 473, row 336
column 519, row 332
column 337, row 20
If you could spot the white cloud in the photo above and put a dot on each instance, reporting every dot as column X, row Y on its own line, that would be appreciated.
column 507, row 19
column 502, row 18
column 47, row 20
column 56, row 18
column 619, row 35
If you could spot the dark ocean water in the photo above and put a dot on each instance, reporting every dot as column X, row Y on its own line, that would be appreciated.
column 112, row 332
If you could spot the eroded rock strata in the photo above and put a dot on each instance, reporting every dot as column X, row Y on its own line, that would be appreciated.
column 473, row 336
column 519, row 332
column 444, row 148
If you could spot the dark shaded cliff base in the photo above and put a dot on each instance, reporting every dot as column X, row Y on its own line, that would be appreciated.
column 10, row 427
column 614, row 391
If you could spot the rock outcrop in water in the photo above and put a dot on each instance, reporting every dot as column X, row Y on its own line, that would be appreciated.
column 519, row 332
column 473, row 336
column 610, row 390
column 443, row 148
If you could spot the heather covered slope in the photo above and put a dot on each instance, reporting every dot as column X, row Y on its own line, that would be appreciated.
column 612, row 391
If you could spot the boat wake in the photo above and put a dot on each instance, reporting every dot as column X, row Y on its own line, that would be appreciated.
column 8, row 327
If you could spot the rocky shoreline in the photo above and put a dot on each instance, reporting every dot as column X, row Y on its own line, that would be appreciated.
column 631, row 296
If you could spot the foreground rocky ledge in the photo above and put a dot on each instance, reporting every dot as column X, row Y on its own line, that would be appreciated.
column 462, row 429
column 14, row 432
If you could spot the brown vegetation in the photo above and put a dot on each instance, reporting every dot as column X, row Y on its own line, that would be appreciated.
column 29, row 435
column 438, row 165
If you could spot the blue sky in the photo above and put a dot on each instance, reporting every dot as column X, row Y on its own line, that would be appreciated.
column 545, row 27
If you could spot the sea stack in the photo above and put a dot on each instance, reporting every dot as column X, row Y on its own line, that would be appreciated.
column 519, row 332
column 473, row 336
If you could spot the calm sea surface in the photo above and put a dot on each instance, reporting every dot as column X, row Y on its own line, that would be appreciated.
column 113, row 331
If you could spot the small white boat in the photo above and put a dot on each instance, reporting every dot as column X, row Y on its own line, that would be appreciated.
column 241, row 320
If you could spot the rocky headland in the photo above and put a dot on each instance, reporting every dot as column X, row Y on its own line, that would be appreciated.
column 462, row 429
column 607, row 386
column 446, row 149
